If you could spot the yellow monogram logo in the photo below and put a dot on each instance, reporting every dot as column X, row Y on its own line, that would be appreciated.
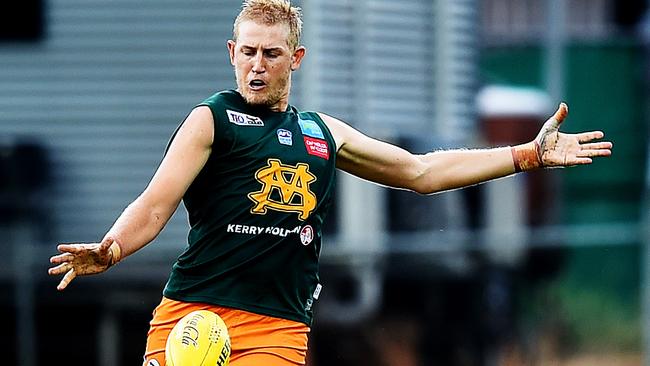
column 284, row 188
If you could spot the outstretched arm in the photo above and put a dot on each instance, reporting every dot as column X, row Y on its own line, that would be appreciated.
column 438, row 171
column 145, row 217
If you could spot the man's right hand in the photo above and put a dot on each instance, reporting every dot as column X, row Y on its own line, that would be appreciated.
column 83, row 259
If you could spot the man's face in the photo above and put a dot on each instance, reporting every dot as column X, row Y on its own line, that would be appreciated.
column 263, row 63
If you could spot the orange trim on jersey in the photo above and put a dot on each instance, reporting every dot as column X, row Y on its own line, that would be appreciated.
column 255, row 339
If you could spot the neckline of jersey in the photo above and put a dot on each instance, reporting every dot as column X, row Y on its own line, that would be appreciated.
column 264, row 110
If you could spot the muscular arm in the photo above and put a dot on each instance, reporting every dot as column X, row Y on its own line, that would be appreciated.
column 145, row 217
column 438, row 171
column 393, row 166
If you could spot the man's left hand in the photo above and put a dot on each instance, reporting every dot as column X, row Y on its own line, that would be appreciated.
column 557, row 149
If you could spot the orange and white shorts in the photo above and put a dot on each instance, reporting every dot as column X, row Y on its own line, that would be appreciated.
column 255, row 339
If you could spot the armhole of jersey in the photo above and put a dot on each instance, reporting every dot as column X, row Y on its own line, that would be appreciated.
column 215, row 122
column 171, row 139
column 325, row 128
column 214, row 126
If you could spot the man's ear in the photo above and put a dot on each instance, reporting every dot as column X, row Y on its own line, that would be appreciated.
column 231, row 51
column 296, row 59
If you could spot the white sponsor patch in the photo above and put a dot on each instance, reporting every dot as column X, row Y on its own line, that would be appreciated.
column 317, row 291
column 153, row 363
column 242, row 119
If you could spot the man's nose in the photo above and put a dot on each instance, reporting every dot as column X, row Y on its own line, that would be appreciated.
column 258, row 64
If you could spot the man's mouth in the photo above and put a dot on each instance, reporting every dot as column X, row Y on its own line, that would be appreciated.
column 256, row 84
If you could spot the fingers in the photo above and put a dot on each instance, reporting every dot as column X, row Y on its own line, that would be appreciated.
column 605, row 145
column 65, row 257
column 75, row 252
column 593, row 153
column 558, row 117
column 561, row 113
column 592, row 150
column 589, row 136
column 75, row 248
column 69, row 271
column 64, row 264
column 595, row 149
column 60, row 269
column 66, row 280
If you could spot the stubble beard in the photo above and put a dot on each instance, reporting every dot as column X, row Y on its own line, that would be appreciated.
column 270, row 97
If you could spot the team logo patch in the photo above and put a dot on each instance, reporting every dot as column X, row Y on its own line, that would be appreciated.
column 306, row 235
column 285, row 188
column 284, row 136
column 242, row 119
column 310, row 128
column 317, row 147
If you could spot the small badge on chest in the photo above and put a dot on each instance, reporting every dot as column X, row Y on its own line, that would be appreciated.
column 284, row 136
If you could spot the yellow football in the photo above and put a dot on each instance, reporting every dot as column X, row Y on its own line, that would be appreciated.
column 200, row 338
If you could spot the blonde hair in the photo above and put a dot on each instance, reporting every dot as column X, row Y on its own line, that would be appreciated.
column 270, row 12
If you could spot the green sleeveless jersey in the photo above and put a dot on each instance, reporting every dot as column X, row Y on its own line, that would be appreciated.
column 256, row 211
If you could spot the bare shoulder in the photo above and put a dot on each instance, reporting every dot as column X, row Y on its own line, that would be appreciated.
column 198, row 126
column 200, row 116
column 202, row 111
column 340, row 130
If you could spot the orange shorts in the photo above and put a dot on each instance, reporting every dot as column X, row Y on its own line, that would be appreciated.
column 255, row 339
